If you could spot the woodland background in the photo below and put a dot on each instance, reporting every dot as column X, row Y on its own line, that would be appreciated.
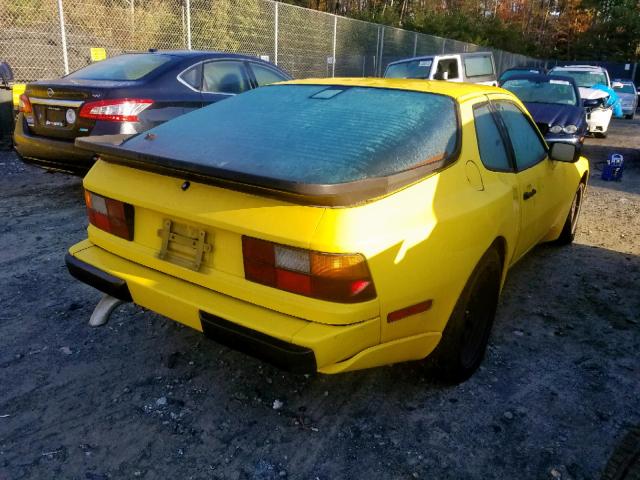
column 559, row 29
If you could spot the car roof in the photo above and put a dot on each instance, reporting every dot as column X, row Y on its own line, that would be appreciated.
column 522, row 68
column 450, row 89
column 578, row 67
column 541, row 77
column 424, row 57
column 201, row 54
column 623, row 80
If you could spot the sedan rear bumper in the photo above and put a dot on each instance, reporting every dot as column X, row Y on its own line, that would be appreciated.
column 50, row 153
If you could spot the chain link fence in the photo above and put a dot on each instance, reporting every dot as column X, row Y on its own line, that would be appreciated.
column 48, row 38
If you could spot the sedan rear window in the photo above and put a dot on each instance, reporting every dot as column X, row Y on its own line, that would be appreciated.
column 311, row 134
column 122, row 68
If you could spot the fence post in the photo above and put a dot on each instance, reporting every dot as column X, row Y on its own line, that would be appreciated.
column 133, row 21
column 63, row 36
column 188, row 8
column 275, row 34
column 380, row 53
column 415, row 43
column 335, row 31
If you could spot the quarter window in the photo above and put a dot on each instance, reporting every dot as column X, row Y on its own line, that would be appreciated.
column 526, row 143
column 493, row 152
column 225, row 76
column 265, row 75
column 193, row 76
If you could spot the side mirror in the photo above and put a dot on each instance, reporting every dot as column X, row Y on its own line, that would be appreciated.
column 563, row 152
column 445, row 75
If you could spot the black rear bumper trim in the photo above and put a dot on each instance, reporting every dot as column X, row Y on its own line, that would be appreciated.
column 284, row 355
column 114, row 286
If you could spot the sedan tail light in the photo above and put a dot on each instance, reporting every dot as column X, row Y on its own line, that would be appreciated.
column 120, row 110
column 24, row 105
column 343, row 278
column 110, row 215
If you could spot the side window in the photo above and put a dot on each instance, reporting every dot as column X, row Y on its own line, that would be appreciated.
column 448, row 66
column 478, row 66
column 226, row 76
column 265, row 75
column 527, row 145
column 493, row 152
column 192, row 76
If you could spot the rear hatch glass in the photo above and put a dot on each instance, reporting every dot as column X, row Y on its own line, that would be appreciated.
column 285, row 136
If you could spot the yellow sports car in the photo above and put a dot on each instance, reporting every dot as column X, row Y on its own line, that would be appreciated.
column 330, row 225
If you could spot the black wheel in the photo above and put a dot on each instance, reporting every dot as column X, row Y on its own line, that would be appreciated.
column 624, row 462
column 571, row 223
column 465, row 337
column 600, row 134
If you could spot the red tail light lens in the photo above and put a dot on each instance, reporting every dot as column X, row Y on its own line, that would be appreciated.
column 24, row 105
column 110, row 215
column 120, row 110
column 325, row 276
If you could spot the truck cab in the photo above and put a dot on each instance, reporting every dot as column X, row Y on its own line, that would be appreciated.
column 476, row 67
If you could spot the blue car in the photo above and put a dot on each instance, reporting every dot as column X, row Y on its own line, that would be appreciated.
column 555, row 105
column 128, row 94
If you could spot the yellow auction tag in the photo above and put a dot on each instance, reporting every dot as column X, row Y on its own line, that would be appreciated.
column 98, row 54
column 17, row 89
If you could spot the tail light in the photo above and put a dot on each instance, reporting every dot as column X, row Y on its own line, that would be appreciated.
column 325, row 276
column 120, row 110
column 24, row 105
column 110, row 215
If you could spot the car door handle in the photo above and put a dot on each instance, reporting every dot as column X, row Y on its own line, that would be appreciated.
column 529, row 194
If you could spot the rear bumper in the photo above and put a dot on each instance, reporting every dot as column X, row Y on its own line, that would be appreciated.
column 50, row 153
column 288, row 342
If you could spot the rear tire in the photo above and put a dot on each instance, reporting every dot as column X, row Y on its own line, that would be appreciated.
column 600, row 134
column 465, row 337
column 571, row 223
column 624, row 462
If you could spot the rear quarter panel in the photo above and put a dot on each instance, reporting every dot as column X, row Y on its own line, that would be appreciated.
column 424, row 241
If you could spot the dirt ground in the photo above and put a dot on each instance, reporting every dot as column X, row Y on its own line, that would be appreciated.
column 145, row 398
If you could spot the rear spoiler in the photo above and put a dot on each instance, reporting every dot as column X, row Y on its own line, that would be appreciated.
column 110, row 148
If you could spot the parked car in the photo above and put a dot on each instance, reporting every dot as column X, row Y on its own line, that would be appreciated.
column 555, row 105
column 329, row 224
column 596, row 101
column 626, row 91
column 126, row 94
column 510, row 72
column 476, row 67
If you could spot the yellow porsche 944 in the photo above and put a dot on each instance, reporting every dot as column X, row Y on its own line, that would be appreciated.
column 331, row 225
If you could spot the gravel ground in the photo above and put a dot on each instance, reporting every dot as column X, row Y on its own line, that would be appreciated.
column 145, row 398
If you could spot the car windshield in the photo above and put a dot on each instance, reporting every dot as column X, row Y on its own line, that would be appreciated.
column 411, row 69
column 583, row 78
column 624, row 88
column 309, row 134
column 507, row 74
column 123, row 67
column 545, row 91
